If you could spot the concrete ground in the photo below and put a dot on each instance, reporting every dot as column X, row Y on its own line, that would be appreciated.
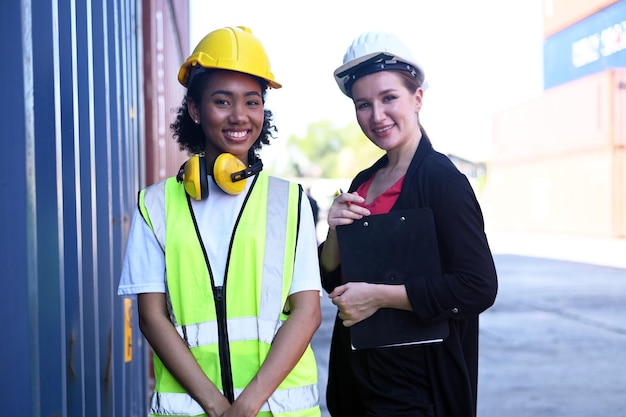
column 554, row 342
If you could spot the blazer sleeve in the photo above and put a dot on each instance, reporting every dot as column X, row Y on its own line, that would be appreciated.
column 468, row 284
column 330, row 279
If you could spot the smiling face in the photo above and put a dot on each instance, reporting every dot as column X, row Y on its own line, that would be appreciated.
column 387, row 111
column 230, row 113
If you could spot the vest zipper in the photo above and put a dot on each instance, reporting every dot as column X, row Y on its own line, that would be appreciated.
column 223, row 344
column 219, row 297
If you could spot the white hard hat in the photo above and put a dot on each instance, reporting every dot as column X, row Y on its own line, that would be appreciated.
column 372, row 52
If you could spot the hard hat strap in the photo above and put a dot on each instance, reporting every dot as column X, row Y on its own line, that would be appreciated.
column 380, row 62
column 194, row 72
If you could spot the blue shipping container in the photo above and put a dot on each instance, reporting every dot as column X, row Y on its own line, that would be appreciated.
column 594, row 44
column 71, row 165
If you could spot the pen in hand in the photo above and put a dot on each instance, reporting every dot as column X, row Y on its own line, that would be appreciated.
column 339, row 192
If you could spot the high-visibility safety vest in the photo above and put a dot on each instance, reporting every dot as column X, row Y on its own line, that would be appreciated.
column 229, row 329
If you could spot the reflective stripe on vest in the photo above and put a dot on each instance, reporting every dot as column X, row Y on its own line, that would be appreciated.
column 291, row 398
column 282, row 401
column 155, row 201
column 239, row 329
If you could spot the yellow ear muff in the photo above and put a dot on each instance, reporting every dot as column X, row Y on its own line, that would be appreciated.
column 193, row 175
column 224, row 167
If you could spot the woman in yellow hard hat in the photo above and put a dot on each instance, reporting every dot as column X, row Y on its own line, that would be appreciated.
column 434, row 273
column 223, row 257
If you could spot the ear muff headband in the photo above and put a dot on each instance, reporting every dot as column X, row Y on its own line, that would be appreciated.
column 229, row 173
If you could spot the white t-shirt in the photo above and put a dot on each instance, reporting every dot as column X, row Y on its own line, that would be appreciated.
column 144, row 263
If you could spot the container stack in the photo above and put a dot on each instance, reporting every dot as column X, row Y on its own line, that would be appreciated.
column 559, row 161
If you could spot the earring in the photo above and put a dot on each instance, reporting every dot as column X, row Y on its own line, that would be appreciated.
column 196, row 122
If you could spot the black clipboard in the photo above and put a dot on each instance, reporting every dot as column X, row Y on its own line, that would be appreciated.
column 392, row 248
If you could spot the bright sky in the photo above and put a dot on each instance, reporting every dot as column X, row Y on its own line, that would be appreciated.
column 479, row 56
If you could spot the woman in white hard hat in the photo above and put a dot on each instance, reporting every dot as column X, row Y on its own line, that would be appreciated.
column 416, row 378
column 222, row 257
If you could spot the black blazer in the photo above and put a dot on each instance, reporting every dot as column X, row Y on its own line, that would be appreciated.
column 468, row 284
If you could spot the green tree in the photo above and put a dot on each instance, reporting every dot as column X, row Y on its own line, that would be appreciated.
column 327, row 151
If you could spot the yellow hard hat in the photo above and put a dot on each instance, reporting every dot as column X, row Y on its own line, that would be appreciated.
column 229, row 48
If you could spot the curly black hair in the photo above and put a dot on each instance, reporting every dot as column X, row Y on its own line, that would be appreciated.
column 190, row 136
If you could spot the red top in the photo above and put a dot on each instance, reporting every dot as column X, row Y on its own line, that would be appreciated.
column 383, row 203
